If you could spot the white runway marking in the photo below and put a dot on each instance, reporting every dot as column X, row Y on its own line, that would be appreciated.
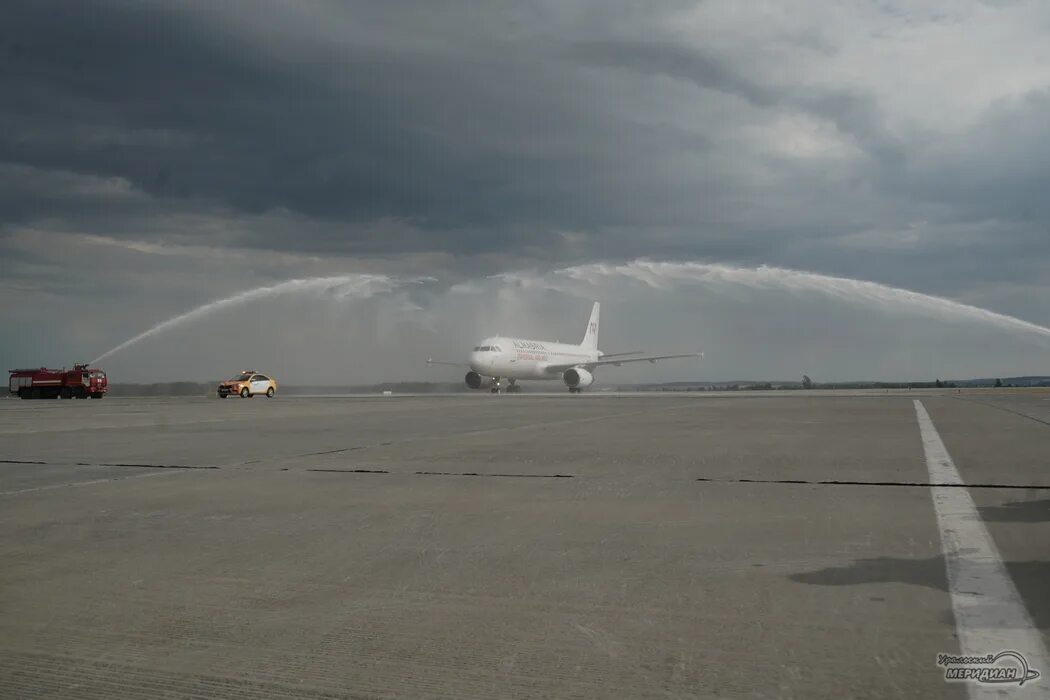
column 989, row 614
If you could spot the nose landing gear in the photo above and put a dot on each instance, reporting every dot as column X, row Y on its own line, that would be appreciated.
column 497, row 386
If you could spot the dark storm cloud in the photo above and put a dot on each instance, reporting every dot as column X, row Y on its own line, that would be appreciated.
column 851, row 112
column 538, row 129
column 461, row 140
column 692, row 64
column 999, row 169
column 485, row 143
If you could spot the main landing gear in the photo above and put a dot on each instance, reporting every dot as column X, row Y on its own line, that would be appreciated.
column 575, row 390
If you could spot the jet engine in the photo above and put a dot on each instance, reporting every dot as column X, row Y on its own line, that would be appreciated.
column 476, row 381
column 577, row 378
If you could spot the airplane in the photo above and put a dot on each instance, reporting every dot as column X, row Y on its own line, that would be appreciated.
column 498, row 358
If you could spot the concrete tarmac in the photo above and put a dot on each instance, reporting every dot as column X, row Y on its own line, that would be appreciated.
column 515, row 546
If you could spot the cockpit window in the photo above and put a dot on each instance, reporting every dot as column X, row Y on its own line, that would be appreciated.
column 495, row 348
column 477, row 348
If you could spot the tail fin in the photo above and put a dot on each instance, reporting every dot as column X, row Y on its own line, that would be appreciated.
column 590, row 338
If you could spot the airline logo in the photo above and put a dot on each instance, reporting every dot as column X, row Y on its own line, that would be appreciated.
column 593, row 327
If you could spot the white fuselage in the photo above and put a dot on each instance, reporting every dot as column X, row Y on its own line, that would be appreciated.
column 518, row 358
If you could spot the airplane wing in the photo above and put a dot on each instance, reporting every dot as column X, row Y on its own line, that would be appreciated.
column 621, row 354
column 432, row 361
column 618, row 361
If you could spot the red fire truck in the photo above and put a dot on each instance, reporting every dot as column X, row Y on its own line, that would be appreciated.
column 43, row 383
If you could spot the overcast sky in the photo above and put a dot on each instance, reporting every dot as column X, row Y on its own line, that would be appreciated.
column 155, row 156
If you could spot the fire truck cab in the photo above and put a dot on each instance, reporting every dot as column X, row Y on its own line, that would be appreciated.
column 81, row 382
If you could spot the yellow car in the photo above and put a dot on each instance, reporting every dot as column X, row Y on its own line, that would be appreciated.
column 247, row 384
